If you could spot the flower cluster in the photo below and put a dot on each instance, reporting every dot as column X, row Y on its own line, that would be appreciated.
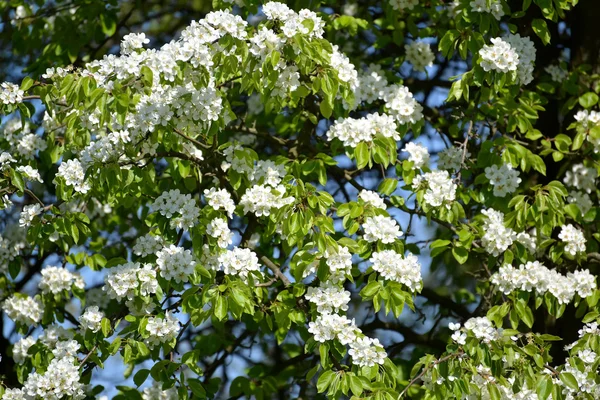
column 61, row 380
column 21, row 347
column 366, row 352
column 401, row 104
column 419, row 155
column 91, row 319
column 534, row 275
column 260, row 199
column 23, row 309
column 395, row 267
column 557, row 73
column 132, row 42
column 499, row 57
column 156, row 392
column 339, row 261
column 480, row 327
column 220, row 199
column 351, row 131
column 419, row 54
column 218, row 229
column 582, row 200
column 173, row 202
column 582, row 178
column 525, row 49
column 493, row 7
column 452, row 158
column 372, row 198
column 239, row 262
column 28, row 214
column 504, row 179
column 130, row 279
column 496, row 238
column 293, row 22
column 148, row 244
column 162, row 330
column 328, row 297
column 30, row 173
column 56, row 280
column 384, row 229
column 10, row 93
column 587, row 119
column 573, row 238
column 440, row 188
column 402, row 5
column 175, row 263
column 74, row 175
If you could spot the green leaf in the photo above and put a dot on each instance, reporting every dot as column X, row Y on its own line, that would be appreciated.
column 544, row 388
column 106, row 327
column 460, row 254
column 588, row 100
column 370, row 290
column 221, row 307
column 541, row 29
column 569, row 380
column 361, row 153
column 325, row 380
column 140, row 377
column 26, row 84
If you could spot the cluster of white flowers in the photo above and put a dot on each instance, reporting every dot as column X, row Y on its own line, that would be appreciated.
column 557, row 73
column 239, row 262
column 132, row 42
column 74, row 175
column 220, row 199
column 260, row 199
column 353, row 131
column 156, row 392
column 372, row 85
column 328, row 297
column 419, row 54
column 56, row 280
column 21, row 348
column 587, row 119
column 91, row 319
column 293, row 22
column 480, row 327
column 582, row 200
column 440, row 188
column 10, row 93
column 382, row 228
column 173, row 202
column 525, row 49
column 130, row 279
column 218, row 229
column 499, row 57
column 29, row 144
column 582, row 178
column 372, row 198
column 504, row 179
column 23, row 309
column 339, row 261
column 419, row 154
column 395, row 267
column 162, row 330
column 366, row 352
column 267, row 172
column 573, row 238
column 29, row 213
column 344, row 68
column 452, row 158
column 175, row 263
column 401, row 104
column 148, row 244
column 497, row 238
column 534, row 275
column 402, row 5
column 30, row 173
column 61, row 380
column 493, row 7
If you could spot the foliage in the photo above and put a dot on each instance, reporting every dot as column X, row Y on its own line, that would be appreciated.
column 260, row 207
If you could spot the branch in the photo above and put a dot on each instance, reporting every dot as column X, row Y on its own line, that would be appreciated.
column 427, row 368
